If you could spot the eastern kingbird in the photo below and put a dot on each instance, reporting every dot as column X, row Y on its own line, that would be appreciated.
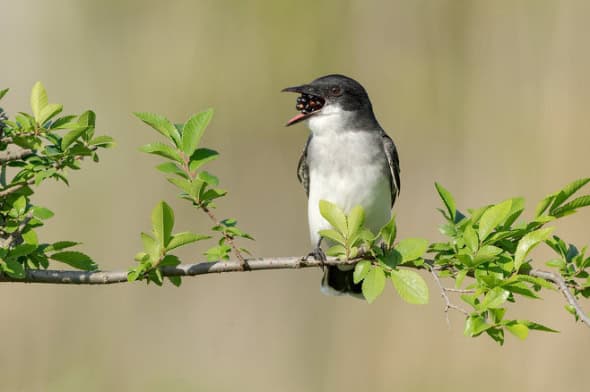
column 348, row 159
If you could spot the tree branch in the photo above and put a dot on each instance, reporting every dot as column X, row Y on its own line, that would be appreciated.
column 443, row 294
column 562, row 286
column 255, row 264
column 14, row 155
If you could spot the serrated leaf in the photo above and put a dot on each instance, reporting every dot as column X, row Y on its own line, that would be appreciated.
column 42, row 212
column 160, row 124
column 75, row 259
column 61, row 245
column 71, row 137
column 361, row 269
column 536, row 326
column 493, row 217
column 447, row 199
column 30, row 237
column 200, row 157
column 566, row 192
column 3, row 92
column 49, row 111
column 475, row 325
column 582, row 201
column 163, row 150
column 528, row 242
column 208, row 178
column 163, row 223
column 410, row 286
column 336, row 251
column 411, row 248
column 486, row 253
column 194, row 129
column 185, row 238
column 334, row 215
column 183, row 184
column 494, row 298
column 373, row 284
column 102, row 140
column 38, row 100
column 543, row 205
column 332, row 235
column 175, row 280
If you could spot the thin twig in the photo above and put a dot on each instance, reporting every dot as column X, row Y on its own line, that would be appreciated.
column 562, row 286
column 443, row 294
column 461, row 291
column 229, row 239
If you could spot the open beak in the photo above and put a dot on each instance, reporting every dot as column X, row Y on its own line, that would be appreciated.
column 303, row 89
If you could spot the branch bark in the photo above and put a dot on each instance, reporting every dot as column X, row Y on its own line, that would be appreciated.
column 254, row 264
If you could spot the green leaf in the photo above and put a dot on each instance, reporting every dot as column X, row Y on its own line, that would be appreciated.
column 13, row 268
column 334, row 215
column 475, row 325
column 42, row 212
column 528, row 242
column 536, row 326
column 184, row 238
column 3, row 92
column 336, row 251
column 486, row 253
column 104, row 141
column 410, row 286
column 208, row 178
column 200, row 157
column 150, row 246
column 183, row 184
column 160, row 124
column 355, row 220
column 194, row 129
column 389, row 232
column 163, row 150
column 30, row 237
column 471, row 239
column 22, row 250
column 571, row 207
column 38, row 100
column 332, row 235
column 175, row 280
column 493, row 217
column 447, row 199
column 71, row 137
column 519, row 330
column 162, row 223
column 75, row 259
column 171, row 167
column 361, row 269
column 566, row 192
column 411, row 248
column 61, row 245
column 543, row 204
column 494, row 298
column 373, row 284
column 49, row 111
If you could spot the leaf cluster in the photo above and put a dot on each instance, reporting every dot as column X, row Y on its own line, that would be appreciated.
column 35, row 147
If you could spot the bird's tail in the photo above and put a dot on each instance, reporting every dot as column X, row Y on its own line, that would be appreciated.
column 338, row 280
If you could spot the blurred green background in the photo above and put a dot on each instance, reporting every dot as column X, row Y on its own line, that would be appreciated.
column 490, row 98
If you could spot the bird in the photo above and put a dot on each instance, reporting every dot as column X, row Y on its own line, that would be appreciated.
column 348, row 160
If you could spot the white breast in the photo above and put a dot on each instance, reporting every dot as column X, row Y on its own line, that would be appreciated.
column 347, row 168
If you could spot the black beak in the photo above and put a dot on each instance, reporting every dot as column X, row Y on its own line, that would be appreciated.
column 303, row 89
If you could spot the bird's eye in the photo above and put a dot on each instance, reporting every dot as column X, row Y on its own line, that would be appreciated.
column 335, row 91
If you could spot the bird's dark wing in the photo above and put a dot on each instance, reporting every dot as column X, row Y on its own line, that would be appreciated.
column 393, row 161
column 303, row 168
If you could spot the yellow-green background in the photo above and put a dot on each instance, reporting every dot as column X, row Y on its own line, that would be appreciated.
column 489, row 98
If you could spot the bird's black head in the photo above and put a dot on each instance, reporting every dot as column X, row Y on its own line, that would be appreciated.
column 330, row 90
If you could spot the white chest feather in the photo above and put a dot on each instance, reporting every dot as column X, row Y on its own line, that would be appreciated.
column 347, row 168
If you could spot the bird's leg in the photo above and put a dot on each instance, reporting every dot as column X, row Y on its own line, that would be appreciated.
column 318, row 254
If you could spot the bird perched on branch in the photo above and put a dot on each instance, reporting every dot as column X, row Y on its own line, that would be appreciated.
column 348, row 160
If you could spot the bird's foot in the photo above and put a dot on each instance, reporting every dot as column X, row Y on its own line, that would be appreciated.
column 317, row 254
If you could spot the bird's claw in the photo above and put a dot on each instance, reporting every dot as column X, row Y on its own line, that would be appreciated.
column 317, row 254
